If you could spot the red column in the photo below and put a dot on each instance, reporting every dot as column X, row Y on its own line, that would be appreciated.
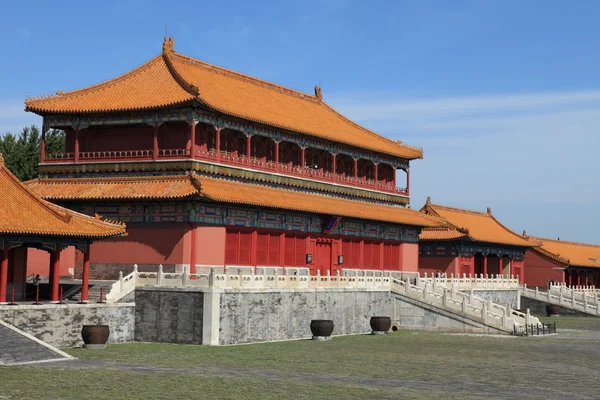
column 375, row 170
column 407, row 181
column 193, row 248
column 3, row 272
column 218, row 143
column 356, row 168
column 302, row 159
column 333, row 165
column 85, row 279
column 76, row 155
column 54, row 273
column 193, row 138
column 277, row 154
column 155, row 143
column 500, row 265
column 248, row 146
column 43, row 145
column 394, row 178
column 567, row 277
column 484, row 266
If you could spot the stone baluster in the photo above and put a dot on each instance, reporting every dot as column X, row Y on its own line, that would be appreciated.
column 211, row 277
column 471, row 296
column 484, row 310
column 121, row 282
column 426, row 291
column 490, row 304
column 464, row 304
column 159, row 275
column 445, row 299
column 184, row 276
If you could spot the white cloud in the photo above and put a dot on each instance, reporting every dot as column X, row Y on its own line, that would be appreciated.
column 531, row 154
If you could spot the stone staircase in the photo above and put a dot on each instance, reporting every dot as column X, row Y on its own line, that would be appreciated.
column 502, row 318
column 569, row 298
column 18, row 347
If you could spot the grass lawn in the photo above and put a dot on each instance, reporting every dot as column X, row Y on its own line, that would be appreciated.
column 412, row 365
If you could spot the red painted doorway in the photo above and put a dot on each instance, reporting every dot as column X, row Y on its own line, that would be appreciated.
column 323, row 257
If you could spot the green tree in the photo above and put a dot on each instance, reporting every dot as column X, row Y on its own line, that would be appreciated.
column 22, row 152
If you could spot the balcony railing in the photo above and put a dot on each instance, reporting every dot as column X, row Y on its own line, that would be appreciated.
column 234, row 159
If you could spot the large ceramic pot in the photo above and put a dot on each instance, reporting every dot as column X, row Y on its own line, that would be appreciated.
column 552, row 310
column 381, row 324
column 95, row 336
column 321, row 327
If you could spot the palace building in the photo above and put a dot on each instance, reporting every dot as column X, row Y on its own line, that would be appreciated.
column 470, row 243
column 210, row 167
column 28, row 222
column 560, row 261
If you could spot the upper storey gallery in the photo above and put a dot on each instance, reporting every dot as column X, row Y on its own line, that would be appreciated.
column 189, row 114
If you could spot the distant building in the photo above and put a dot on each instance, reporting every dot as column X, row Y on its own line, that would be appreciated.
column 576, row 264
column 210, row 167
column 470, row 243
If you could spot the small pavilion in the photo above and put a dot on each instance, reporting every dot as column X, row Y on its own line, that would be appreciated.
column 576, row 264
column 27, row 221
column 470, row 243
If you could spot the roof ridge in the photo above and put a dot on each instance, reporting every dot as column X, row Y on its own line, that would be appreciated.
column 242, row 76
column 506, row 229
column 394, row 142
column 564, row 241
column 94, row 86
column 466, row 211
column 288, row 91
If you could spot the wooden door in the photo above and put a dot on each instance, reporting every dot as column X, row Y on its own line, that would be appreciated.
column 323, row 259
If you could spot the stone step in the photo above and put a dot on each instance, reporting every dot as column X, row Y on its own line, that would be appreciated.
column 18, row 347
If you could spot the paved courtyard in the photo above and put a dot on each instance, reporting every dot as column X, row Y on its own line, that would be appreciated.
column 402, row 365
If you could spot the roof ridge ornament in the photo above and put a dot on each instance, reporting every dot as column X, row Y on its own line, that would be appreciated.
column 318, row 92
column 524, row 233
column 168, row 44
column 489, row 211
column 428, row 201
column 1, row 160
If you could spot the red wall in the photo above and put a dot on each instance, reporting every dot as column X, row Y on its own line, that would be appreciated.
column 210, row 245
column 540, row 271
column 38, row 262
column 154, row 243
column 432, row 265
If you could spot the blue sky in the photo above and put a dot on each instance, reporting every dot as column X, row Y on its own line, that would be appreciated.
column 504, row 96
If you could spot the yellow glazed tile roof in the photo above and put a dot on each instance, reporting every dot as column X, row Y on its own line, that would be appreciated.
column 481, row 227
column 443, row 233
column 225, row 191
column 568, row 253
column 152, row 187
column 172, row 79
column 24, row 213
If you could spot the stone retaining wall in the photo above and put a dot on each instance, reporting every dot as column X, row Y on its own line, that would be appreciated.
column 60, row 324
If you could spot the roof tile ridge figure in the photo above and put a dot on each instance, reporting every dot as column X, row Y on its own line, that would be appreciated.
column 106, row 83
column 167, row 53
